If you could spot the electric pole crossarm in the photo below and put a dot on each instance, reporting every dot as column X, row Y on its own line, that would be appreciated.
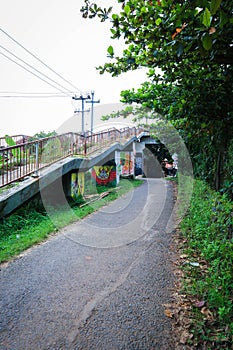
column 82, row 98
column 92, row 109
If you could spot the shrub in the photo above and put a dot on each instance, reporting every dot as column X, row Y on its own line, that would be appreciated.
column 208, row 229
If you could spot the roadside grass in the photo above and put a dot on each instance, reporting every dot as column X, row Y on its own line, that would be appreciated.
column 207, row 263
column 184, row 186
column 31, row 224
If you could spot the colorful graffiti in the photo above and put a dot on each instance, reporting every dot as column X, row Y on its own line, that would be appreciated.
column 125, row 163
column 138, row 165
column 104, row 175
column 77, row 184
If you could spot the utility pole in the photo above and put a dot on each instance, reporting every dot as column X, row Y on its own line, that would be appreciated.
column 92, row 109
column 77, row 111
column 82, row 98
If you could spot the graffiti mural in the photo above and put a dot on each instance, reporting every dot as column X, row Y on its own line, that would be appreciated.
column 104, row 175
column 138, row 164
column 125, row 163
column 77, row 184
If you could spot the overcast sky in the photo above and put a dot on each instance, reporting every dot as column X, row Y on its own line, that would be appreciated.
column 56, row 33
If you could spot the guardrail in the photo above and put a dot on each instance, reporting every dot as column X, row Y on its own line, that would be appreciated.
column 19, row 161
column 16, row 138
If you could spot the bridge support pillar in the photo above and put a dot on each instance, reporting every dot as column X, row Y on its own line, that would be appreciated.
column 66, row 181
column 139, row 158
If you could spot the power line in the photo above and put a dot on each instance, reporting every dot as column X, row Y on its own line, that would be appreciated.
column 38, row 59
column 29, row 65
column 25, row 94
column 20, row 65
column 32, row 96
column 29, row 93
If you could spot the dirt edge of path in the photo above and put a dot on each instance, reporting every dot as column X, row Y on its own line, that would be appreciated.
column 180, row 309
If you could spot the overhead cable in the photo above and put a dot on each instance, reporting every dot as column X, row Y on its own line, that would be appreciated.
column 38, row 59
column 29, row 93
column 29, row 65
column 20, row 65
column 31, row 96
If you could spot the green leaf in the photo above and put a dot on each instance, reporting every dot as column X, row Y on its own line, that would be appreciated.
column 127, row 9
column 10, row 141
column 214, row 5
column 206, row 19
column 158, row 21
column 207, row 42
column 110, row 50
column 115, row 16
column 180, row 50
column 143, row 9
column 223, row 19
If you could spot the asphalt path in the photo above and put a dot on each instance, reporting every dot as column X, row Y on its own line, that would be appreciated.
column 100, row 283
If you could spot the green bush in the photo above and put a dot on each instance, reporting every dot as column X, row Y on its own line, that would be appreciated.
column 208, row 228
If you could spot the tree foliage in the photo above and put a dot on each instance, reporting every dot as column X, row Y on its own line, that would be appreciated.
column 191, row 42
column 165, row 32
column 43, row 134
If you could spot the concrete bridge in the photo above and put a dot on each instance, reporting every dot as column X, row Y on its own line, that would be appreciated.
column 40, row 170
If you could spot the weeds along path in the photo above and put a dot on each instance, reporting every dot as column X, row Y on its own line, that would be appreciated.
column 99, row 283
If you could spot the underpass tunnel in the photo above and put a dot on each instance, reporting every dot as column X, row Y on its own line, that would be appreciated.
column 153, row 155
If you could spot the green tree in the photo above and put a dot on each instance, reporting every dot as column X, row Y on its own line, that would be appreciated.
column 165, row 32
column 191, row 43
column 199, row 106
column 43, row 134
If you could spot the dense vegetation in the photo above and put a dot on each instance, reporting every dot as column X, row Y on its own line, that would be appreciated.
column 187, row 48
column 209, row 275
column 191, row 43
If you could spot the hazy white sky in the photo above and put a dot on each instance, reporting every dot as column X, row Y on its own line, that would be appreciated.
column 56, row 33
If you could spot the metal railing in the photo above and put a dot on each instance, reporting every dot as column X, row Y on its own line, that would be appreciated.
column 18, row 139
column 19, row 161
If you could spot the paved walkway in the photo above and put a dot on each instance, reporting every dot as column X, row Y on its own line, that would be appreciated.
column 98, row 284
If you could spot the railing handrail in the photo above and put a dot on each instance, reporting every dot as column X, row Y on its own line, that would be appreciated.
column 27, row 160
column 64, row 134
column 12, row 136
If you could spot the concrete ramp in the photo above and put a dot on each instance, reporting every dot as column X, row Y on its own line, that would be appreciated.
column 19, row 193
